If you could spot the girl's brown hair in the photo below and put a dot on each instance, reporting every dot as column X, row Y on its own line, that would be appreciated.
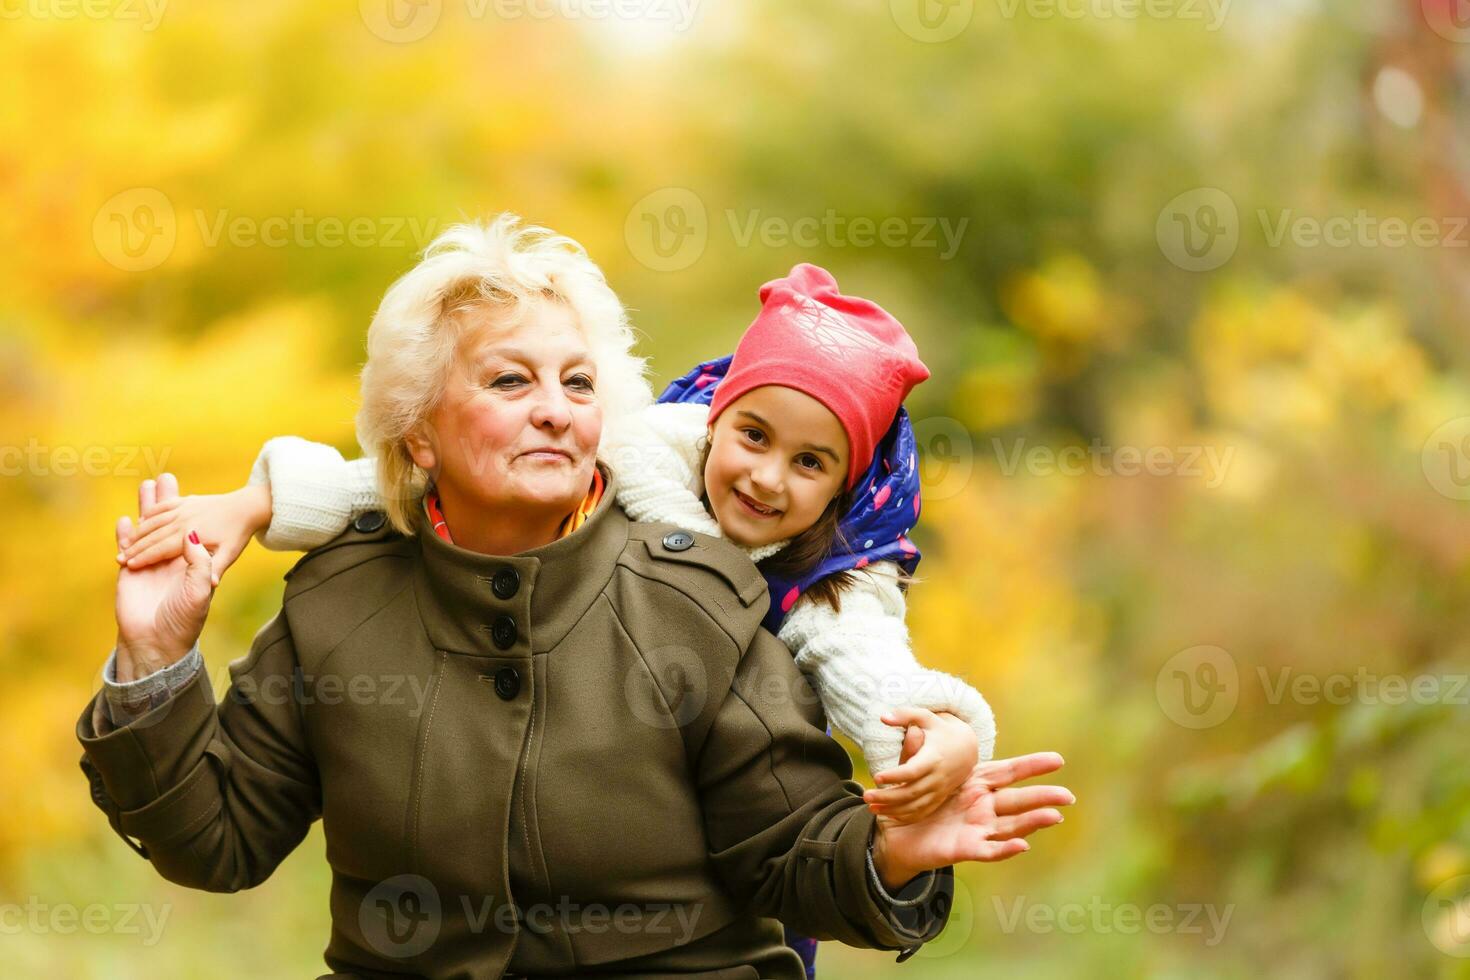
column 809, row 548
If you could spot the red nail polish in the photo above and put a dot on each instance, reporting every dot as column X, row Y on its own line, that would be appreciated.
column 194, row 536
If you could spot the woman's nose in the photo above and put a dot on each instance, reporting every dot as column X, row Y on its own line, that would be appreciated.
column 552, row 410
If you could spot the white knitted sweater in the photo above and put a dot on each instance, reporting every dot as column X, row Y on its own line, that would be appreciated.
column 859, row 660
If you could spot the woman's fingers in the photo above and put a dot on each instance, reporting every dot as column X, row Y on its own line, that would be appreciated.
column 198, row 573
column 997, row 850
column 166, row 489
column 1023, row 824
column 1019, row 799
column 1003, row 772
column 913, row 812
column 913, row 741
column 124, row 531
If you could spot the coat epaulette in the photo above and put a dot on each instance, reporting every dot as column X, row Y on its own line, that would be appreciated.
column 712, row 571
column 369, row 536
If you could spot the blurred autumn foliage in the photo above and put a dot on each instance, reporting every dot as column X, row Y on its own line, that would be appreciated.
column 1147, row 465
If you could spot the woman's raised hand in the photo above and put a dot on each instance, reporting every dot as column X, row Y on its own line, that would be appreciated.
column 160, row 608
column 987, row 819
column 224, row 522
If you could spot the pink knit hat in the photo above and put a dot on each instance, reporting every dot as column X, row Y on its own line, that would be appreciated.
column 845, row 352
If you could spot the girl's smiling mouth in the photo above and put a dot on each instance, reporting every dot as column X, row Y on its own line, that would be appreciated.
column 754, row 507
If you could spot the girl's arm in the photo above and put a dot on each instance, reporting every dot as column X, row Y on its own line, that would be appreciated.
column 656, row 455
column 300, row 495
column 315, row 493
column 864, row 669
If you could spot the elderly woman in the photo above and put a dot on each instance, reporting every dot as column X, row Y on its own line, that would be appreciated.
column 543, row 740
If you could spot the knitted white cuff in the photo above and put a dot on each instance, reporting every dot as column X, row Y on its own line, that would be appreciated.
column 315, row 493
column 937, row 691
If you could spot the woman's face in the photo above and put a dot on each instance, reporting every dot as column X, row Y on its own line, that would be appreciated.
column 518, row 426
column 777, row 457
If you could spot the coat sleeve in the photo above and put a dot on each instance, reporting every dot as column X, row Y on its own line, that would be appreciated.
column 315, row 493
column 862, row 665
column 787, row 828
column 215, row 796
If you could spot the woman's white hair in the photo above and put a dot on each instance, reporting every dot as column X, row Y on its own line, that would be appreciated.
column 414, row 338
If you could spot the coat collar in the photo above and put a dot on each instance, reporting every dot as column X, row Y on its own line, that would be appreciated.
column 555, row 585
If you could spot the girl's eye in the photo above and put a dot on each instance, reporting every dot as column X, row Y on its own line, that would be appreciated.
column 579, row 381
column 808, row 461
column 506, row 381
column 754, row 435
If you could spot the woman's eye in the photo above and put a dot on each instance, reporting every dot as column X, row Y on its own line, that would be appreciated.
column 507, row 381
column 580, row 381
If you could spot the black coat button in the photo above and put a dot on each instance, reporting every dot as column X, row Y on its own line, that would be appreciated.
column 370, row 521
column 678, row 541
column 503, row 632
column 505, row 583
column 507, row 683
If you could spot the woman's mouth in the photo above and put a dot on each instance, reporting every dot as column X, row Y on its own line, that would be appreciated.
column 547, row 455
column 754, row 507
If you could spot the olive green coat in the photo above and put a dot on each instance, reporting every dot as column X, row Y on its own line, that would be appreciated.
column 583, row 759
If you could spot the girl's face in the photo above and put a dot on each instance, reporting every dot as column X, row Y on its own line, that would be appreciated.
column 777, row 458
column 517, row 429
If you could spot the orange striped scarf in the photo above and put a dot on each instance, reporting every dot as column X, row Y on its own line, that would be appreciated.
column 574, row 520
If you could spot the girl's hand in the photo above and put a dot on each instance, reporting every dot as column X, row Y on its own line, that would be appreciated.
column 160, row 609
column 948, row 753
column 987, row 820
column 225, row 522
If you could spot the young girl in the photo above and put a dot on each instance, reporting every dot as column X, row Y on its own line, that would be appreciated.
column 796, row 448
